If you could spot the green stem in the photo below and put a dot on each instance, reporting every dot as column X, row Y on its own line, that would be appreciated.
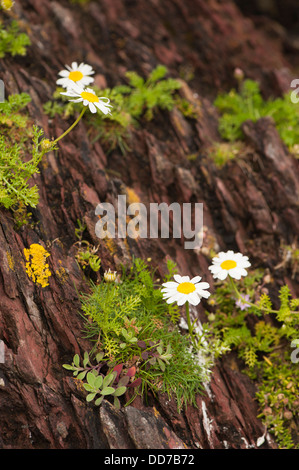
column 71, row 127
column 189, row 324
column 267, row 310
column 188, row 318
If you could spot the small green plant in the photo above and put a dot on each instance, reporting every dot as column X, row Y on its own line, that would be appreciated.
column 278, row 398
column 15, row 172
column 86, row 256
column 222, row 152
column 155, row 92
column 130, row 103
column 86, row 253
column 263, row 344
column 12, row 41
column 130, row 323
column 103, row 378
column 10, row 115
column 236, row 108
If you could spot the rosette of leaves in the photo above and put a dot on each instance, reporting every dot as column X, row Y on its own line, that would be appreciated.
column 100, row 385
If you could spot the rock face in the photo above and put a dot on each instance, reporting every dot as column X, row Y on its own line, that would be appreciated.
column 250, row 206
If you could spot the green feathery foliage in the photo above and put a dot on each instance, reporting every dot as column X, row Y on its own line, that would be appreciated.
column 10, row 115
column 236, row 108
column 15, row 172
column 131, row 324
column 12, row 41
column 265, row 350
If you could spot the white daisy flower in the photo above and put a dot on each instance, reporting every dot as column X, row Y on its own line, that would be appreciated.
column 89, row 98
column 185, row 290
column 229, row 263
column 79, row 74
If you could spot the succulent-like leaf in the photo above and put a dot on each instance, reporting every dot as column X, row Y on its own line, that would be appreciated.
column 99, row 401
column 90, row 378
column 119, row 391
column 90, row 396
column 82, row 375
column 98, row 382
column 68, row 367
column 108, row 391
column 116, row 403
column 76, row 360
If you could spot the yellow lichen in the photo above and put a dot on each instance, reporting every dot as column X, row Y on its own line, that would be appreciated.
column 10, row 260
column 36, row 265
column 132, row 196
column 61, row 273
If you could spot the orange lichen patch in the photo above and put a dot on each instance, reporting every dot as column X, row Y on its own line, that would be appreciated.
column 61, row 274
column 110, row 244
column 156, row 412
column 132, row 196
column 36, row 265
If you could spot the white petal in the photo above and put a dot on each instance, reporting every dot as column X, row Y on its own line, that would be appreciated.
column 64, row 73
column 168, row 289
column 174, row 298
column 85, row 81
column 193, row 298
column 170, row 284
column 102, row 107
column 183, row 299
column 195, row 279
column 74, row 65
column 185, row 279
column 204, row 293
column 222, row 274
column 244, row 264
column 177, row 278
column 92, row 108
column 235, row 273
column 202, row 285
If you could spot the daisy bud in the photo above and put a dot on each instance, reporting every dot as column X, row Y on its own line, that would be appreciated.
column 110, row 276
column 7, row 4
column 46, row 145
column 238, row 74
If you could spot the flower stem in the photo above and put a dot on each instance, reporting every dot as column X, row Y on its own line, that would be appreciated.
column 267, row 310
column 190, row 327
column 188, row 318
column 71, row 127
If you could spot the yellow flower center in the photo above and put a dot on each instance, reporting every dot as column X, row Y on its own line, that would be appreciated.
column 86, row 95
column 75, row 76
column 228, row 264
column 186, row 288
